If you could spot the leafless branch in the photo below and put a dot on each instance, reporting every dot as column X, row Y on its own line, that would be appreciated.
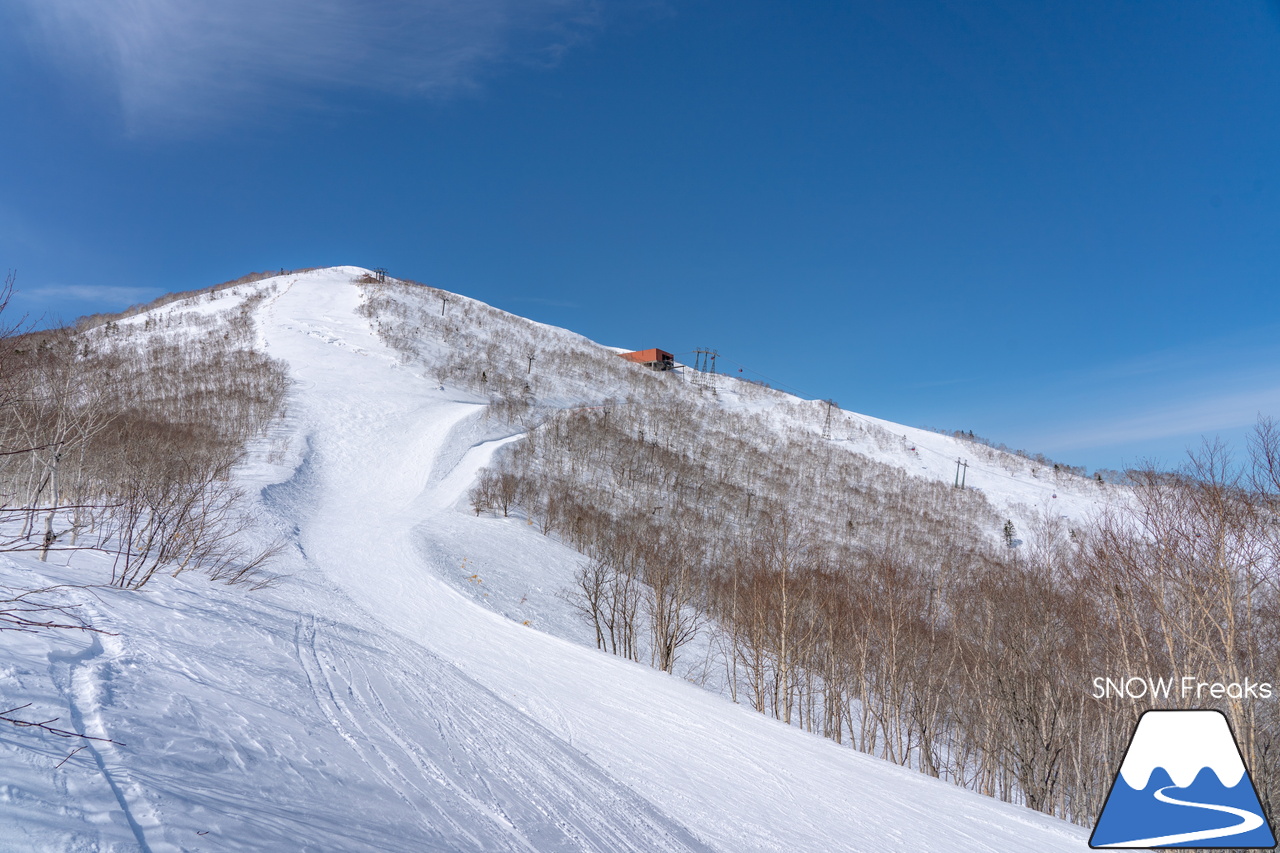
column 45, row 727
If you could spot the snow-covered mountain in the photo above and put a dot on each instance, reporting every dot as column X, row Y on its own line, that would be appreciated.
column 417, row 682
column 1183, row 743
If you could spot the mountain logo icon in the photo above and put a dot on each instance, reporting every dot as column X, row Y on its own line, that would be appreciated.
column 1183, row 783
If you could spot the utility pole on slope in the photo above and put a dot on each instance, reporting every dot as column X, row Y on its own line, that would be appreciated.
column 704, row 364
column 826, row 428
column 961, row 474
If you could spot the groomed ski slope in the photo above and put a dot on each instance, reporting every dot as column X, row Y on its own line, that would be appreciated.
column 366, row 704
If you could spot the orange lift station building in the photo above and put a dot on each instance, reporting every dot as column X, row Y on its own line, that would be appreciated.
column 654, row 359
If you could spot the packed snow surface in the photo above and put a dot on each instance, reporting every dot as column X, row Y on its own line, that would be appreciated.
column 414, row 683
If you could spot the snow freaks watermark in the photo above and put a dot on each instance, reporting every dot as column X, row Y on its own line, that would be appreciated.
column 1183, row 783
column 1187, row 688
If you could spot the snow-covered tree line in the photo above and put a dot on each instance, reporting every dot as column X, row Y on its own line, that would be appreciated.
column 842, row 595
column 829, row 583
column 873, row 609
column 120, row 435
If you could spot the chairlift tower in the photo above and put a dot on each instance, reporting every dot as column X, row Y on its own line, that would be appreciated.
column 704, row 366
column 826, row 428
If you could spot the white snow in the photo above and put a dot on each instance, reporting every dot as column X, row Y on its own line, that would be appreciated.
column 368, row 703
column 1183, row 743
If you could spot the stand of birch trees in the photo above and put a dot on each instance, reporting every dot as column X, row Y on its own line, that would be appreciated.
column 121, row 437
column 893, row 616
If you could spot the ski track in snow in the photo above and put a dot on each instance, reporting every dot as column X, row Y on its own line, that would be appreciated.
column 366, row 704
column 477, row 775
column 85, row 678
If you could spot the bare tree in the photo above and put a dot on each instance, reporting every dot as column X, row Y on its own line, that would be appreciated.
column 671, row 570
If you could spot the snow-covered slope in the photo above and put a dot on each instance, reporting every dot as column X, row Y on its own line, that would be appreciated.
column 366, row 703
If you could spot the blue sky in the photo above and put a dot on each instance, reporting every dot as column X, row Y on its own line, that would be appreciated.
column 1057, row 225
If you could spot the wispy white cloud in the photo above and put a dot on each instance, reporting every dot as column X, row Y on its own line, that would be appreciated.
column 174, row 62
column 1205, row 415
column 1214, row 385
column 94, row 295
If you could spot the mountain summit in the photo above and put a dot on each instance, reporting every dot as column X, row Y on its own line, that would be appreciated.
column 417, row 678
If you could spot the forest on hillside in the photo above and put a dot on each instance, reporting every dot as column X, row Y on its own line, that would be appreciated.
column 896, row 615
column 884, row 618
column 120, row 434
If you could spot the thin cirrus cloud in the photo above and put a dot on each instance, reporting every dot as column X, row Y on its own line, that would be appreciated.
column 1204, row 416
column 171, row 62
column 1202, row 388
column 95, row 294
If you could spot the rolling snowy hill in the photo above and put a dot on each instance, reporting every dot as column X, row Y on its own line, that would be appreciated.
column 417, row 682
